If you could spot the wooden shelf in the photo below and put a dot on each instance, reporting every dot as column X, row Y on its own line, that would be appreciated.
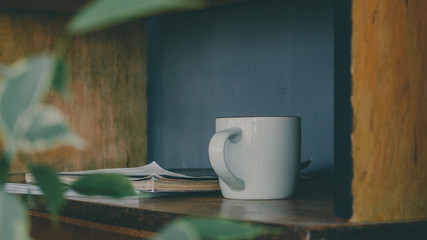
column 307, row 216
column 379, row 76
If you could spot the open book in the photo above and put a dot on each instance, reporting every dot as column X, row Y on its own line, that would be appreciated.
column 151, row 178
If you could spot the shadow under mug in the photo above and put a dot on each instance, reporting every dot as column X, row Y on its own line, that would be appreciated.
column 256, row 157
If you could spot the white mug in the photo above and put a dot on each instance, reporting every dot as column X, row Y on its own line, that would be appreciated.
column 256, row 157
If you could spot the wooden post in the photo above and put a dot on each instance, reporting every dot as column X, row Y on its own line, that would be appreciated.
column 389, row 140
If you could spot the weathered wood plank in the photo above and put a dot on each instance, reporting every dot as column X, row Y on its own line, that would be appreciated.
column 72, row 228
column 389, row 68
column 108, row 85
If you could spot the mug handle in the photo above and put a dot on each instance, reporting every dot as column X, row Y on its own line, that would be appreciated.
column 217, row 157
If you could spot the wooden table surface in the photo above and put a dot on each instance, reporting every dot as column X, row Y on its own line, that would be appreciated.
column 309, row 215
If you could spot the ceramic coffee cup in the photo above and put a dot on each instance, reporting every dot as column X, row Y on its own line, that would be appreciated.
column 256, row 157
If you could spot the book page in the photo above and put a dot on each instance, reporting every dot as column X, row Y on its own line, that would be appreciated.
column 143, row 171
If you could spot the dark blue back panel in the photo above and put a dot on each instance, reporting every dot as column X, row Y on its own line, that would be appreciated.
column 254, row 58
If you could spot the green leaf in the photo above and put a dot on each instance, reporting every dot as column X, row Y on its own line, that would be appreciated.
column 41, row 127
column 59, row 82
column 178, row 230
column 110, row 185
column 4, row 71
column 52, row 188
column 13, row 218
column 26, row 82
column 215, row 228
column 104, row 13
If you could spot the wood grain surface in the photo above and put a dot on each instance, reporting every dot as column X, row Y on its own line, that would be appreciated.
column 308, row 215
column 389, row 69
column 72, row 228
column 107, row 73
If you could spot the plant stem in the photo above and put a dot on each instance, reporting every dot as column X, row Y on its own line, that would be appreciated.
column 4, row 167
column 62, row 46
